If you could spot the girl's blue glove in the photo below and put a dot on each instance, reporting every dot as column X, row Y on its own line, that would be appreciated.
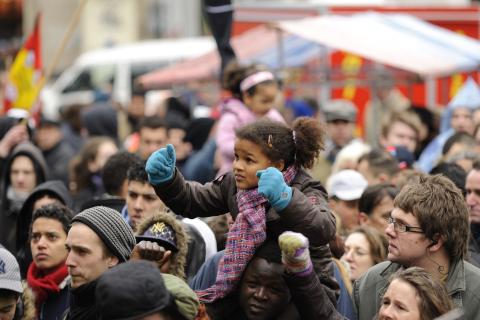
column 160, row 165
column 272, row 186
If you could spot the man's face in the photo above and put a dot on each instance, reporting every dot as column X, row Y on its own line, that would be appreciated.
column 347, row 211
column 22, row 174
column 401, row 134
column 47, row 137
column 182, row 148
column 380, row 213
column 142, row 201
column 364, row 169
column 340, row 131
column 87, row 259
column 47, row 242
column 8, row 305
column 406, row 248
column 462, row 120
column 151, row 140
column 473, row 195
column 263, row 291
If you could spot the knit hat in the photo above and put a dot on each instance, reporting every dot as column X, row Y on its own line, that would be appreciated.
column 131, row 290
column 185, row 298
column 161, row 233
column 9, row 272
column 109, row 225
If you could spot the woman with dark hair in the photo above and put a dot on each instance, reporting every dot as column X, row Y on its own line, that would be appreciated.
column 414, row 294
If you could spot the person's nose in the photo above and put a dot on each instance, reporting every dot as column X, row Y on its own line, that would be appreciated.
column 386, row 313
column 261, row 293
column 471, row 199
column 42, row 243
column 349, row 256
column 390, row 230
column 70, row 262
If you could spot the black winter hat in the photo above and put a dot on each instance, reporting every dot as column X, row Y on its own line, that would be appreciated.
column 131, row 290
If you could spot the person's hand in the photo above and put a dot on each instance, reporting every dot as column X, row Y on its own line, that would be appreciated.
column 14, row 136
column 151, row 251
column 161, row 165
column 272, row 186
column 295, row 253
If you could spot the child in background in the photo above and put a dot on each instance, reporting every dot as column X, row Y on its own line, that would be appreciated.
column 267, row 193
column 254, row 92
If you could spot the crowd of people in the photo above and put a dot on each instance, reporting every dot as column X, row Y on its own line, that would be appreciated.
column 269, row 208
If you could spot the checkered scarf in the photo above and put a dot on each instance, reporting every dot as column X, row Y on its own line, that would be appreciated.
column 247, row 233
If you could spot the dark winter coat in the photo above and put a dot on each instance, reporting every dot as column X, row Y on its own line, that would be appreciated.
column 307, row 213
column 9, row 213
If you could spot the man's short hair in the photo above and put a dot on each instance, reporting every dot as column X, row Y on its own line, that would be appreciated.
column 440, row 209
column 453, row 172
column 137, row 172
column 153, row 122
column 114, row 173
column 380, row 161
column 406, row 117
column 54, row 211
column 374, row 194
column 462, row 138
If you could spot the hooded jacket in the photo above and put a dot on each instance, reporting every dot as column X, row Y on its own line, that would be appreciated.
column 8, row 212
column 55, row 188
column 467, row 97
column 178, row 259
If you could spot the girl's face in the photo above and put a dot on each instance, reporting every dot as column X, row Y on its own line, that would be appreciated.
column 357, row 254
column 399, row 302
column 249, row 158
column 263, row 99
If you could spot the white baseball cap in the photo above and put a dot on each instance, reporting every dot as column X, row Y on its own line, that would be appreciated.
column 346, row 185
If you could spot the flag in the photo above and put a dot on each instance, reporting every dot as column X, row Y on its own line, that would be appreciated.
column 25, row 74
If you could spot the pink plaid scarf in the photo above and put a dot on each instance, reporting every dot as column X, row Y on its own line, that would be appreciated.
column 247, row 233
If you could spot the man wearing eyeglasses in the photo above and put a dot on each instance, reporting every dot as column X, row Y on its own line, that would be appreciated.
column 428, row 228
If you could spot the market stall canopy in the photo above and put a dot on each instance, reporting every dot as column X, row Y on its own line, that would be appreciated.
column 260, row 45
column 396, row 40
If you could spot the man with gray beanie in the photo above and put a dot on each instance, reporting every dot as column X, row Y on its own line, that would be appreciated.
column 99, row 239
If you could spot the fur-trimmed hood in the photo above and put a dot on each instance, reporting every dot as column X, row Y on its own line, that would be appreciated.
column 179, row 258
column 26, row 308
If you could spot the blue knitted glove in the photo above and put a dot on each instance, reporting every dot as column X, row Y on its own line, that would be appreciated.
column 161, row 165
column 272, row 186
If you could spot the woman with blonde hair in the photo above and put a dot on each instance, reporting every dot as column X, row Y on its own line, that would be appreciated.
column 364, row 248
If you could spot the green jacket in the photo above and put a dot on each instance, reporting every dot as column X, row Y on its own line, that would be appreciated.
column 463, row 286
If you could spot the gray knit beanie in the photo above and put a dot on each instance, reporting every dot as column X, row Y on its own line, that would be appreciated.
column 109, row 225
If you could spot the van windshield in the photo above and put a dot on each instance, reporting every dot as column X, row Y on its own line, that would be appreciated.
column 96, row 78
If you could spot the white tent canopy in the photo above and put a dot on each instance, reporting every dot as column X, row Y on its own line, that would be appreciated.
column 397, row 40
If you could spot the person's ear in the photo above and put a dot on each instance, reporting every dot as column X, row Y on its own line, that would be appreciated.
column 280, row 165
column 436, row 243
column 112, row 261
column 363, row 218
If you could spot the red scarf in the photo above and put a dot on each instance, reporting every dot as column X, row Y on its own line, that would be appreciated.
column 42, row 286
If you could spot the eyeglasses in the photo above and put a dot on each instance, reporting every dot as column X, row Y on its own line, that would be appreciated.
column 400, row 227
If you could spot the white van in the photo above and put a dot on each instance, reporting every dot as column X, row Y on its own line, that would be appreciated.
column 115, row 69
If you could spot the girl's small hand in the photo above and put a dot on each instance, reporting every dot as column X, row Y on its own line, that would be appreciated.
column 273, row 187
column 160, row 165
